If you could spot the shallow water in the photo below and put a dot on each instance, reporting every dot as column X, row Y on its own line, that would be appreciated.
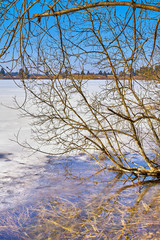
column 70, row 202
column 70, row 195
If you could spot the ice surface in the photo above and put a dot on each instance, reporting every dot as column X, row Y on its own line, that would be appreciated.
column 24, row 176
column 18, row 170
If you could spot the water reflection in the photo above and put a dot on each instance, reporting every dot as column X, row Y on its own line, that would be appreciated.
column 108, row 205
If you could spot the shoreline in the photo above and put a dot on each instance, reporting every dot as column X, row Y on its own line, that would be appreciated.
column 81, row 77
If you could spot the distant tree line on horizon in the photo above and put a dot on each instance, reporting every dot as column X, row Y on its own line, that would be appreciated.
column 142, row 71
column 23, row 73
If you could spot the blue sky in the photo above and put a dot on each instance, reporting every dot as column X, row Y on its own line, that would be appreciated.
column 53, row 34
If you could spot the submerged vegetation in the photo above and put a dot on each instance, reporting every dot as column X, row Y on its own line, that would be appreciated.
column 116, row 211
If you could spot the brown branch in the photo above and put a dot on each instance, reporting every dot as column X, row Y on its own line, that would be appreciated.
column 155, row 37
column 99, row 4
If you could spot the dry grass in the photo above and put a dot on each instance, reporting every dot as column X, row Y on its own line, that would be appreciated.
column 126, row 212
column 100, row 217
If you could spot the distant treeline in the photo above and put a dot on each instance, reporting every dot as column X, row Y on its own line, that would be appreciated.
column 142, row 72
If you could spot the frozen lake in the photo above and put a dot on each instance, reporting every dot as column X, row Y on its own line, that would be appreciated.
column 18, row 170
column 75, row 183
column 24, row 176
column 21, row 171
